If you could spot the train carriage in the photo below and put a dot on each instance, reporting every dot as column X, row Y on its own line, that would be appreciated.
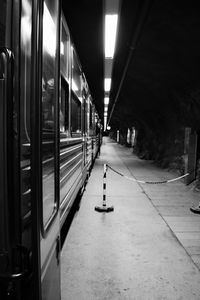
column 48, row 142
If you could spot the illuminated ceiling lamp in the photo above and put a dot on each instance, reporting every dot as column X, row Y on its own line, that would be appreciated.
column 110, row 34
column 106, row 100
column 111, row 13
column 107, row 84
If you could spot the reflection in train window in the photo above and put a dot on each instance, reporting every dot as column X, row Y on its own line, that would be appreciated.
column 91, row 119
column 76, row 77
column 64, row 107
column 64, row 54
column 25, row 111
column 87, row 114
column 47, row 98
column 75, row 115
column 48, row 107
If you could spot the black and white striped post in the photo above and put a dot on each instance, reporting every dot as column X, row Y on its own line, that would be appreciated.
column 104, row 207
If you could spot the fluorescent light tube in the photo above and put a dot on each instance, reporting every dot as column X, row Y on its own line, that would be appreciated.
column 110, row 34
column 107, row 84
column 106, row 100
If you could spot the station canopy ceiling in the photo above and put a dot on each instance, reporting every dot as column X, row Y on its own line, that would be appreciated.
column 162, row 41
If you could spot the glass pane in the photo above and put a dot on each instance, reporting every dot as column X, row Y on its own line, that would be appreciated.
column 64, row 54
column 76, row 78
column 91, row 116
column 25, row 96
column 87, row 114
column 48, row 107
column 64, row 107
column 75, row 115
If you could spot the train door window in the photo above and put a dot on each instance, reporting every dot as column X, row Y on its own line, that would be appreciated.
column 64, row 54
column 75, row 115
column 48, row 108
column 25, row 99
column 64, row 107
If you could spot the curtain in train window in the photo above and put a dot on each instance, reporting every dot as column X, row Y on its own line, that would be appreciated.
column 48, row 106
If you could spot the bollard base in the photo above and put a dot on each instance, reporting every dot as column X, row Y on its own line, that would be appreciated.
column 195, row 210
column 104, row 208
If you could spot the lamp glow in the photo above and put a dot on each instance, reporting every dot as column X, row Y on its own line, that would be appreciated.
column 110, row 34
column 107, row 84
column 106, row 100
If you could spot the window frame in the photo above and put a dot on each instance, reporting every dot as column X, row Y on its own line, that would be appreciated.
column 45, row 226
column 75, row 98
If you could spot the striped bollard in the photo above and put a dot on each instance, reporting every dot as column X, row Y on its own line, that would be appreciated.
column 104, row 207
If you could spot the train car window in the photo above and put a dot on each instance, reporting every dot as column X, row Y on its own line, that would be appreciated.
column 64, row 107
column 48, row 107
column 64, row 54
column 91, row 119
column 25, row 100
column 75, row 115
column 86, row 115
column 84, row 121
column 85, row 105
column 76, row 77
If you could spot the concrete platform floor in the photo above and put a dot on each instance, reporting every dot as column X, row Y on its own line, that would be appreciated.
column 148, row 248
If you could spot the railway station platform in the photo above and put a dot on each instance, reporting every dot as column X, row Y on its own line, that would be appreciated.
column 148, row 248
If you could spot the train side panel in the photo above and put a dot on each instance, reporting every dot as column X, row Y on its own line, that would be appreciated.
column 47, row 144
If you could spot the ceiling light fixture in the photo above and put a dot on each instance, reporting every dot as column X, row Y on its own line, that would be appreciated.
column 107, row 84
column 106, row 100
column 110, row 34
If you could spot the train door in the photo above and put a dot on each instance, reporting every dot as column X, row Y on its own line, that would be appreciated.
column 39, row 121
column 29, row 175
column 16, row 244
column 49, row 151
